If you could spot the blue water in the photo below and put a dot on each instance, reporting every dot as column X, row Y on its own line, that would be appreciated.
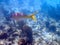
column 50, row 7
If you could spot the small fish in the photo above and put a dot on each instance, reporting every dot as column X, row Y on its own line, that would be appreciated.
column 18, row 16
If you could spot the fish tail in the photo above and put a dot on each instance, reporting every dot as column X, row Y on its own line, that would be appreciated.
column 33, row 17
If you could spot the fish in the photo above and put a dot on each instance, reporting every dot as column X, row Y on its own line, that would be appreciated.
column 18, row 16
